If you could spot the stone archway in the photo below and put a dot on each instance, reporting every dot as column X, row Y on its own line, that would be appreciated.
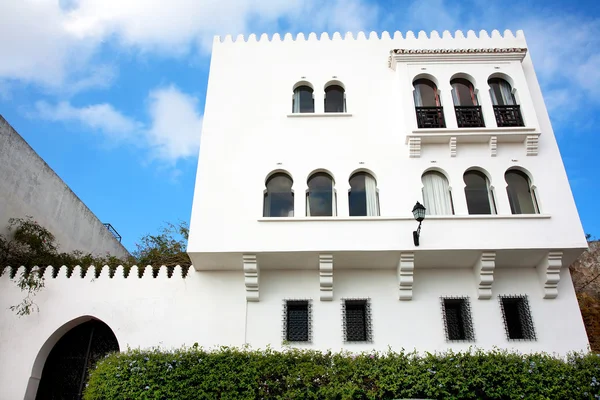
column 61, row 368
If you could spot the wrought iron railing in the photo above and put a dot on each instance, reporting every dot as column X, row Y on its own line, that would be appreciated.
column 430, row 117
column 508, row 116
column 469, row 117
column 113, row 231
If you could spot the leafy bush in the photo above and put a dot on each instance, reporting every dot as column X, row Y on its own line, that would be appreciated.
column 229, row 373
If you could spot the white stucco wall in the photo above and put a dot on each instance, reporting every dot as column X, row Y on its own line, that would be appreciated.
column 28, row 186
column 248, row 133
column 210, row 308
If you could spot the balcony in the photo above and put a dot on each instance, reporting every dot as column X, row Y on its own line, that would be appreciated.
column 508, row 116
column 430, row 117
column 469, row 116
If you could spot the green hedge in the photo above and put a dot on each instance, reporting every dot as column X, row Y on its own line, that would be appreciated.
column 230, row 373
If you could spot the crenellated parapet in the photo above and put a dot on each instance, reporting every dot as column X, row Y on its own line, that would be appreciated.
column 100, row 272
column 421, row 37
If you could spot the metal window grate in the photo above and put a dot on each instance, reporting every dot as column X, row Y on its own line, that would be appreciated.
column 357, row 320
column 430, row 117
column 458, row 324
column 508, row 116
column 518, row 323
column 297, row 320
column 469, row 116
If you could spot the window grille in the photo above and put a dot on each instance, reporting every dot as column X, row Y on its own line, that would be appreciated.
column 297, row 320
column 458, row 324
column 357, row 320
column 517, row 318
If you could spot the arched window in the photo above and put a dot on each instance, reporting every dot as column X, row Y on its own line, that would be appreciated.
column 466, row 106
column 520, row 194
column 320, row 196
column 428, row 105
column 426, row 94
column 463, row 92
column 279, row 198
column 335, row 99
column 363, row 197
column 501, row 92
column 303, row 101
column 436, row 194
column 506, row 109
column 478, row 193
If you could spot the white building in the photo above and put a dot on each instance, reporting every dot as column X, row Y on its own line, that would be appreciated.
column 314, row 152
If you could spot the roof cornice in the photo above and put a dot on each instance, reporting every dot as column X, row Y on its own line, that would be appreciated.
column 448, row 55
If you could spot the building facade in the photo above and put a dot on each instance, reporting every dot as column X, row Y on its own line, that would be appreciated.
column 314, row 152
column 28, row 186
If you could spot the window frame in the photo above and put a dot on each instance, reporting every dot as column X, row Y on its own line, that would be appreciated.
column 465, row 316
column 525, row 318
column 530, row 187
column 343, row 91
column 286, row 319
column 294, row 94
column 266, row 193
column 350, row 194
column 489, row 188
column 368, row 329
column 333, row 195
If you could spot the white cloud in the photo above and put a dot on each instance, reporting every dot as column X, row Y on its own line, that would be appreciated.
column 175, row 124
column 172, row 133
column 53, row 43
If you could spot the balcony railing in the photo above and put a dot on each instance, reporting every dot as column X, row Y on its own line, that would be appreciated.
column 113, row 231
column 508, row 116
column 469, row 117
column 430, row 117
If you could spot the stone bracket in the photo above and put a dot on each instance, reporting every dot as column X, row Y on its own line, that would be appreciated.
column 532, row 144
column 549, row 273
column 452, row 145
column 414, row 147
column 251, row 276
column 326, row 276
column 406, row 268
column 493, row 146
column 484, row 274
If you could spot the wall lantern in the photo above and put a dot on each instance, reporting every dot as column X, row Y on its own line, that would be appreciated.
column 419, row 213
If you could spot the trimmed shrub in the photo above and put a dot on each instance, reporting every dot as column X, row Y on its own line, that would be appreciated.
column 230, row 373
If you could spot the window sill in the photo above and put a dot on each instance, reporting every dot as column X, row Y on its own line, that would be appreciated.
column 428, row 218
column 312, row 115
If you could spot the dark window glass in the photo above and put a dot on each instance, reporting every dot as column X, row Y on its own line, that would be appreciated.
column 320, row 196
column 356, row 320
column 303, row 100
column 426, row 94
column 334, row 99
column 463, row 92
column 517, row 318
column 477, row 193
column 501, row 92
column 279, row 199
column 519, row 193
column 457, row 317
column 357, row 197
column 297, row 321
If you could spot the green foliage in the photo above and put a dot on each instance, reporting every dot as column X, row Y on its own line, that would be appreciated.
column 229, row 373
column 166, row 248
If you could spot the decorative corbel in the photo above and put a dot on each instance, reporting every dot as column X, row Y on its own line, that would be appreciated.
column 414, row 147
column 452, row 144
column 484, row 274
column 549, row 273
column 493, row 146
column 251, row 276
column 406, row 268
column 532, row 144
column 326, row 276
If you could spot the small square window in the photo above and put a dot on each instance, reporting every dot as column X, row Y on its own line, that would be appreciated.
column 357, row 320
column 517, row 318
column 457, row 319
column 296, row 320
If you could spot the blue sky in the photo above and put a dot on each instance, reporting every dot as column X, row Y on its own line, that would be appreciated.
column 111, row 92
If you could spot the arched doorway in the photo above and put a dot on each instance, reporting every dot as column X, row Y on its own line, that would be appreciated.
column 66, row 368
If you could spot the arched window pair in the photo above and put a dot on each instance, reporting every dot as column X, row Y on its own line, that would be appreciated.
column 466, row 104
column 321, row 196
column 480, row 196
column 437, row 197
column 304, row 102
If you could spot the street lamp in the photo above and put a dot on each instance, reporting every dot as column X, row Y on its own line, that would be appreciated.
column 419, row 213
